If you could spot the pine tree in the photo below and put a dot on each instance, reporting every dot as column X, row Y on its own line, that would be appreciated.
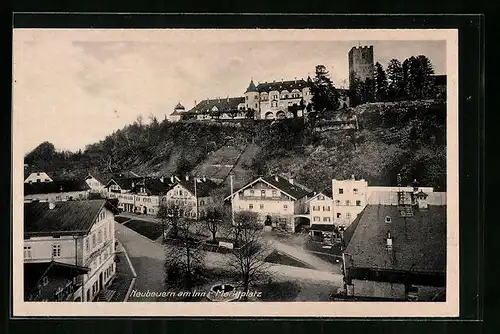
column 395, row 80
column 325, row 96
column 380, row 83
column 418, row 74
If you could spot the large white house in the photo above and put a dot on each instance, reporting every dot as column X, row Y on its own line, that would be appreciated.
column 274, row 196
column 69, row 250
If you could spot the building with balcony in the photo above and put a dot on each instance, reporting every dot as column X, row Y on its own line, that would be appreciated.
column 69, row 250
column 55, row 191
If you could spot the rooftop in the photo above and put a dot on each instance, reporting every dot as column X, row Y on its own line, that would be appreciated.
column 222, row 104
column 418, row 242
column 57, row 186
column 66, row 218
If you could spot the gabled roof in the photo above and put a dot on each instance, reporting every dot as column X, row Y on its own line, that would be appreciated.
column 125, row 182
column 66, row 218
column 418, row 242
column 55, row 187
column 179, row 106
column 325, row 192
column 203, row 188
column 222, row 104
column 282, row 85
column 280, row 183
column 153, row 186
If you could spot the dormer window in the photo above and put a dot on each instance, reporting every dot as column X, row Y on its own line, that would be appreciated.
column 388, row 219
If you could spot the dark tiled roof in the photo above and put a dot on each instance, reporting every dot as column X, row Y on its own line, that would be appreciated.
column 203, row 188
column 419, row 244
column 284, row 185
column 282, row 85
column 125, row 183
column 222, row 104
column 153, row 186
column 179, row 106
column 55, row 187
column 66, row 218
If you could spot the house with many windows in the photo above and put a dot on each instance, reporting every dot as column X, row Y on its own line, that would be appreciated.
column 349, row 199
column 191, row 194
column 69, row 250
column 320, row 209
column 275, row 196
column 55, row 191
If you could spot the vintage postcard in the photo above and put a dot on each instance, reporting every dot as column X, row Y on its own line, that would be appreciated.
column 254, row 172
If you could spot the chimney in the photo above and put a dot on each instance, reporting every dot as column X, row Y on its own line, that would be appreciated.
column 133, row 184
column 389, row 241
column 52, row 205
column 162, row 179
column 276, row 178
column 187, row 177
column 172, row 179
column 352, row 177
column 291, row 181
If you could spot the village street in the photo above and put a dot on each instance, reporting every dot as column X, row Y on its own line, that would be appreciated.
column 148, row 259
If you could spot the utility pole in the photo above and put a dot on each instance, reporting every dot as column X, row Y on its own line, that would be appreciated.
column 232, row 199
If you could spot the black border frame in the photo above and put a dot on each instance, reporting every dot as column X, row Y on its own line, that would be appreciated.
column 471, row 160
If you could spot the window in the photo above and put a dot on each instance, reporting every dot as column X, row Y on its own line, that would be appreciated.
column 355, row 191
column 56, row 250
column 87, row 245
column 252, row 191
column 388, row 219
column 275, row 193
column 316, row 219
column 250, row 206
column 262, row 206
column 202, row 202
column 263, row 193
column 358, row 203
column 93, row 240
column 27, row 252
column 180, row 192
column 341, row 191
column 339, row 214
column 105, row 234
column 348, row 202
column 320, row 197
column 99, row 237
column 337, row 202
column 326, row 219
column 285, row 206
column 327, row 208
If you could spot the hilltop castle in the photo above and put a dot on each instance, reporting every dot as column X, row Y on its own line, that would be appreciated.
column 274, row 100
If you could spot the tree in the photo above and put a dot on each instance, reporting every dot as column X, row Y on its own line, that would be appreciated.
column 184, row 264
column 395, row 79
column 380, row 83
column 325, row 96
column 233, row 113
column 172, row 216
column 361, row 91
column 250, row 113
column 214, row 220
column 248, row 259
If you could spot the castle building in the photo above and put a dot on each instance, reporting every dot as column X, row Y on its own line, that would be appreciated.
column 361, row 64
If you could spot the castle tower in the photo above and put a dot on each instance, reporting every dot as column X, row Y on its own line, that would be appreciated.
column 361, row 63
column 177, row 114
column 252, row 98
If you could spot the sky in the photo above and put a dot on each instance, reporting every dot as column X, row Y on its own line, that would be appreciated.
column 75, row 87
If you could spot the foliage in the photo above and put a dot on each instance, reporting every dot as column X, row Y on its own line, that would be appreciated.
column 395, row 78
column 380, row 83
column 325, row 96
column 248, row 259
